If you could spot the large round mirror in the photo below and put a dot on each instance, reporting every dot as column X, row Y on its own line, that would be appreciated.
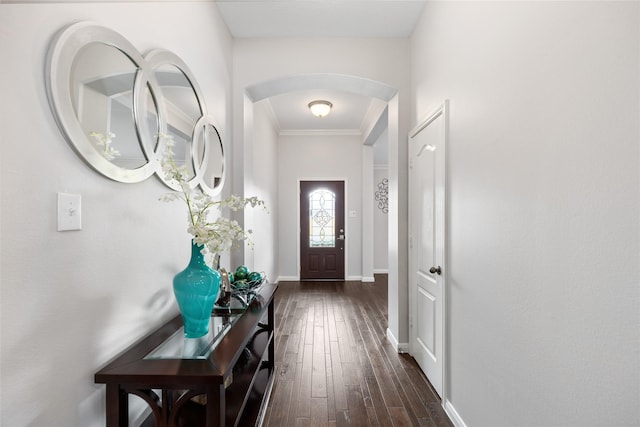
column 103, row 103
column 95, row 76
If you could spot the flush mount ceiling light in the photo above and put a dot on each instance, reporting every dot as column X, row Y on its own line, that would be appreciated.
column 320, row 108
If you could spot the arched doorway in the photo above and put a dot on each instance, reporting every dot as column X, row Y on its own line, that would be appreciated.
column 256, row 92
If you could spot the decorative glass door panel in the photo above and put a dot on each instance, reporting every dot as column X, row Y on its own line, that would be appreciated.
column 322, row 212
column 322, row 230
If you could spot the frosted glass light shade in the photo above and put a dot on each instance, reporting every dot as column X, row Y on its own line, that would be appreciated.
column 320, row 108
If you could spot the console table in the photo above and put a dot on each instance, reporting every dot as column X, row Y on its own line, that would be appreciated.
column 222, row 379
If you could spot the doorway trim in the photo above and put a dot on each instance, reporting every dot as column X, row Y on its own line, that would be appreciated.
column 343, row 222
column 346, row 222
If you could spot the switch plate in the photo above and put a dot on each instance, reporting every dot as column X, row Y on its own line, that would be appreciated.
column 69, row 212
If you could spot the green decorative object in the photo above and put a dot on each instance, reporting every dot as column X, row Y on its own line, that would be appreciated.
column 241, row 272
column 196, row 290
column 255, row 277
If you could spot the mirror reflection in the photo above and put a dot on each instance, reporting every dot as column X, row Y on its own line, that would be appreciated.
column 102, row 82
column 149, row 123
column 182, row 111
column 212, row 174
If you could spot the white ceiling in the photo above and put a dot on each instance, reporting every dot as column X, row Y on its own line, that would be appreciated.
column 347, row 113
column 321, row 18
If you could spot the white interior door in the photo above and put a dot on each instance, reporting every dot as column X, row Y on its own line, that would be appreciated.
column 427, row 239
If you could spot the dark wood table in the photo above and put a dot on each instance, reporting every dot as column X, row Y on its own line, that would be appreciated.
column 223, row 379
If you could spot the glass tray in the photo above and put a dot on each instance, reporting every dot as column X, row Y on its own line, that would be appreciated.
column 179, row 347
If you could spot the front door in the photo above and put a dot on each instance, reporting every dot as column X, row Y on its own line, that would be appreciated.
column 427, row 239
column 322, row 230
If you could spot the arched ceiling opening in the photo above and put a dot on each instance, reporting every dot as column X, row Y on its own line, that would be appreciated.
column 359, row 103
column 341, row 82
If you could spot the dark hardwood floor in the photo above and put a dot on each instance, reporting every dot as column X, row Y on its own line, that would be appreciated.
column 334, row 366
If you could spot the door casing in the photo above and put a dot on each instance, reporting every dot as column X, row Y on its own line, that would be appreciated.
column 343, row 244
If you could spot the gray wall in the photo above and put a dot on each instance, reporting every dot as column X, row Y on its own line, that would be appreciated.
column 380, row 227
column 261, row 180
column 544, row 202
column 313, row 158
column 71, row 301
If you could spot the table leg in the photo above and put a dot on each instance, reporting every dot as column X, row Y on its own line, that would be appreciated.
column 215, row 406
column 117, row 407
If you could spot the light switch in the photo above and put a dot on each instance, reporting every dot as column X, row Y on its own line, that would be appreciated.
column 69, row 212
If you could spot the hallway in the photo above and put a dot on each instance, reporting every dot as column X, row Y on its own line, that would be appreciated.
column 334, row 366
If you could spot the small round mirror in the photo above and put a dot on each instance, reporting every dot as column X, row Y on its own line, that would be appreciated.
column 208, row 155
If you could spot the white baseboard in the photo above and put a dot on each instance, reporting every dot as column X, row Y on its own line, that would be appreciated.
column 350, row 278
column 392, row 340
column 399, row 347
column 383, row 271
column 455, row 418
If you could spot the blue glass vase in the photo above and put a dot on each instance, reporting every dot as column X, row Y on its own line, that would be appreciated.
column 196, row 289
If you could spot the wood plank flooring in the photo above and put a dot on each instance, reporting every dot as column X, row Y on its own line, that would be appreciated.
column 334, row 366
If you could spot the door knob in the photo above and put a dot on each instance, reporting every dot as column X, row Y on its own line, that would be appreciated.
column 436, row 270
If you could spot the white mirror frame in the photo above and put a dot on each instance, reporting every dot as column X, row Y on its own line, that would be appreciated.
column 60, row 59
column 158, row 58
